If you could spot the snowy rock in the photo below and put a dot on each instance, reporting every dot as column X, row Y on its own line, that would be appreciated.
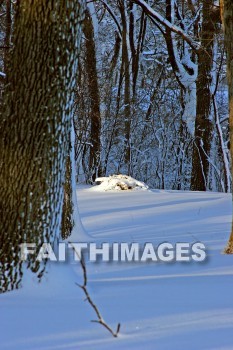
column 119, row 182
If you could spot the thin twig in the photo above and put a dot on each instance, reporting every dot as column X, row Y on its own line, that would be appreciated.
column 88, row 298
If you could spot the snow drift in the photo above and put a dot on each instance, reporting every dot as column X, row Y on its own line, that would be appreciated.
column 119, row 182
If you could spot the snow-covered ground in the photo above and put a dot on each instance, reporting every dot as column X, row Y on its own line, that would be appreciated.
column 159, row 305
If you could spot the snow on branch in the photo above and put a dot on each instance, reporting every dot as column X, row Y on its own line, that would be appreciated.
column 175, row 29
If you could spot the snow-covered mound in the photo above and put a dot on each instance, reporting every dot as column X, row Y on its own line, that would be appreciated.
column 120, row 182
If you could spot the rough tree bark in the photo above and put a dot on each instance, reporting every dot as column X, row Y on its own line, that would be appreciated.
column 67, row 223
column 7, row 40
column 204, row 121
column 35, row 128
column 127, row 91
column 228, row 28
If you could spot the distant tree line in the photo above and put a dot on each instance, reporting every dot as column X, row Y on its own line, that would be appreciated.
column 152, row 94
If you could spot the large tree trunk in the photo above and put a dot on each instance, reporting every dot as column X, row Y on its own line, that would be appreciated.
column 228, row 27
column 204, row 122
column 35, row 127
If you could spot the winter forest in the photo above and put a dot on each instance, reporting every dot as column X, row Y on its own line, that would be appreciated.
column 152, row 96
column 140, row 92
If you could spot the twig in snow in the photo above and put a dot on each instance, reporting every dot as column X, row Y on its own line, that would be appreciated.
column 100, row 319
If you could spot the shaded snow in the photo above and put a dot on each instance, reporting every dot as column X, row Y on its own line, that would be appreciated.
column 160, row 306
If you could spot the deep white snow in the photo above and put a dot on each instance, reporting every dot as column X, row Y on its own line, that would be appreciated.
column 160, row 305
column 119, row 182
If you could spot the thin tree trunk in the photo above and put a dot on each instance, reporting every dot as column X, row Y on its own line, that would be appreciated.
column 67, row 209
column 228, row 27
column 204, row 122
column 7, row 40
column 93, row 87
column 127, row 100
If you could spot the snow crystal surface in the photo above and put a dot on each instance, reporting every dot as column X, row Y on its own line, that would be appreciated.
column 162, row 306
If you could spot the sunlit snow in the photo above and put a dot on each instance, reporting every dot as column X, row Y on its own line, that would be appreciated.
column 159, row 305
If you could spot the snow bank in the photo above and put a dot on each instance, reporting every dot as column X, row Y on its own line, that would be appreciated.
column 119, row 182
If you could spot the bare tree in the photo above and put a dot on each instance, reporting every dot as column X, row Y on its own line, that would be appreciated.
column 164, row 126
column 93, row 89
column 204, row 115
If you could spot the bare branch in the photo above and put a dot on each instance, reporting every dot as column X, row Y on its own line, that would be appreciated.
column 191, row 7
column 160, row 19
column 111, row 12
column 89, row 299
